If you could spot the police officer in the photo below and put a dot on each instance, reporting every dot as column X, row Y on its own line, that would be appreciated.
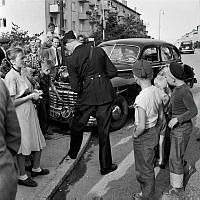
column 90, row 71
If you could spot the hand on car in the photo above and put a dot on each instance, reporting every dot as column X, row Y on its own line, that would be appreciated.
column 34, row 96
column 40, row 92
column 173, row 122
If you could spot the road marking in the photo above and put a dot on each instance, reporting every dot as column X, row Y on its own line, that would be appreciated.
column 122, row 141
column 102, row 187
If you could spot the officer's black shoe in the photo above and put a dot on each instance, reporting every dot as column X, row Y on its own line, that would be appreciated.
column 108, row 170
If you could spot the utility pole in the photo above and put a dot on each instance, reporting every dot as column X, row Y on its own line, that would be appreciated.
column 61, row 28
column 61, row 18
column 159, row 20
column 103, row 19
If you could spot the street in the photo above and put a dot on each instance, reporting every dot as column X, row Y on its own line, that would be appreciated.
column 86, row 183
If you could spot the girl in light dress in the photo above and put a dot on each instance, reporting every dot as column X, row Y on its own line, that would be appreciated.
column 32, row 139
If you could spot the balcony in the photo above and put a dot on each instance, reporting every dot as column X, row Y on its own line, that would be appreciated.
column 83, row 16
column 54, row 8
column 121, row 14
column 83, row 1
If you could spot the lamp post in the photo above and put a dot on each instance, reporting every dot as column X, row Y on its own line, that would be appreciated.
column 103, row 19
column 159, row 19
column 61, row 27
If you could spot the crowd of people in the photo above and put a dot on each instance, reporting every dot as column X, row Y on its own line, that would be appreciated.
column 29, row 71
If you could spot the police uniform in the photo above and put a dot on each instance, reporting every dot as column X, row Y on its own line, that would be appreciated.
column 91, row 80
column 44, row 104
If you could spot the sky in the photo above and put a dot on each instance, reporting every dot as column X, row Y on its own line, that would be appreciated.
column 179, row 18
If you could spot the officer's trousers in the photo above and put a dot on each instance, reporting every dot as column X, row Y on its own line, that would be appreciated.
column 103, row 116
column 43, row 108
column 180, row 136
column 144, row 151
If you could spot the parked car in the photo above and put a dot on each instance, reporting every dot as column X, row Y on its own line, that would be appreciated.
column 186, row 47
column 123, row 53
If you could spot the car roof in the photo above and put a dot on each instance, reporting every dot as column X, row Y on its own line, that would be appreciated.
column 135, row 41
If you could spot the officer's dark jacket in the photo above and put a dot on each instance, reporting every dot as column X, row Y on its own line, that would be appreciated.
column 91, row 80
column 2, row 55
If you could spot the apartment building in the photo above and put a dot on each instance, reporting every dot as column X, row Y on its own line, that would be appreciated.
column 79, row 15
column 194, row 36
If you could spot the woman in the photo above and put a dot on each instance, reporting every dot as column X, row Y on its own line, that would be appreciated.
column 33, row 63
column 32, row 139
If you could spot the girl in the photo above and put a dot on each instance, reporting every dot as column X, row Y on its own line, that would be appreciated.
column 32, row 139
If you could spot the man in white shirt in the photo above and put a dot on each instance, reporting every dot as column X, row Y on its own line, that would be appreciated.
column 54, row 54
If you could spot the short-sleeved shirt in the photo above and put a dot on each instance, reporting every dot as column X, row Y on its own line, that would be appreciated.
column 18, row 85
column 150, row 100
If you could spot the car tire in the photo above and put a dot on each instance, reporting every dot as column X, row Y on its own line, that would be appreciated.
column 119, row 121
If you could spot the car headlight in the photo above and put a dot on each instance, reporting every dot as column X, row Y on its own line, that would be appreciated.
column 66, row 112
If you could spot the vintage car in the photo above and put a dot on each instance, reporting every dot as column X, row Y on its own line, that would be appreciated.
column 186, row 47
column 123, row 53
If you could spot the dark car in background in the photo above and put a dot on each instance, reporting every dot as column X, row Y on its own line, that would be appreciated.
column 123, row 53
column 186, row 47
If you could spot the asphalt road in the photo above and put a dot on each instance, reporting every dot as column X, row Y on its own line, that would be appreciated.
column 86, row 183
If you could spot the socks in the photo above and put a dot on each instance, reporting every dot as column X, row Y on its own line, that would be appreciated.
column 37, row 169
column 23, row 177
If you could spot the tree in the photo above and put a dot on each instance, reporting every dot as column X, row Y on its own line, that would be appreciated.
column 19, row 36
column 130, row 27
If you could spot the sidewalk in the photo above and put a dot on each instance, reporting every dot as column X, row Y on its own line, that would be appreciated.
column 52, row 159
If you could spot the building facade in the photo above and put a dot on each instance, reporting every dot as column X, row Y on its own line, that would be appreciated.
column 193, row 36
column 79, row 15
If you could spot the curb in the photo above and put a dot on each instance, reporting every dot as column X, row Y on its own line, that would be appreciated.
column 61, row 172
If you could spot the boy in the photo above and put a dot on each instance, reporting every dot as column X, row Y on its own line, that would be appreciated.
column 147, row 108
column 183, row 109
column 44, row 80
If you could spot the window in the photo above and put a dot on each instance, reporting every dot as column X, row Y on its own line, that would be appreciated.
column 166, row 54
column 51, row 19
column 81, row 8
column 65, row 24
column 81, row 26
column 2, row 2
column 176, row 55
column 2, row 22
column 150, row 54
column 73, row 7
column 122, row 53
column 73, row 25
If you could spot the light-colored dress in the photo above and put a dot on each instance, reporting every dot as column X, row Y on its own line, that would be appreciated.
column 32, row 138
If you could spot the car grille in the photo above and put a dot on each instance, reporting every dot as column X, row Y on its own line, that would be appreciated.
column 69, row 98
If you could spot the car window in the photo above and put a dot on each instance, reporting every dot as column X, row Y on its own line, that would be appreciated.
column 150, row 54
column 175, row 54
column 122, row 53
column 166, row 54
column 108, row 49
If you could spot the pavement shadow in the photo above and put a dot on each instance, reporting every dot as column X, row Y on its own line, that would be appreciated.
column 77, row 173
column 192, row 154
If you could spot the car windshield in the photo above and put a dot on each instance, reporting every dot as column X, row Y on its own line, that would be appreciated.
column 122, row 53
